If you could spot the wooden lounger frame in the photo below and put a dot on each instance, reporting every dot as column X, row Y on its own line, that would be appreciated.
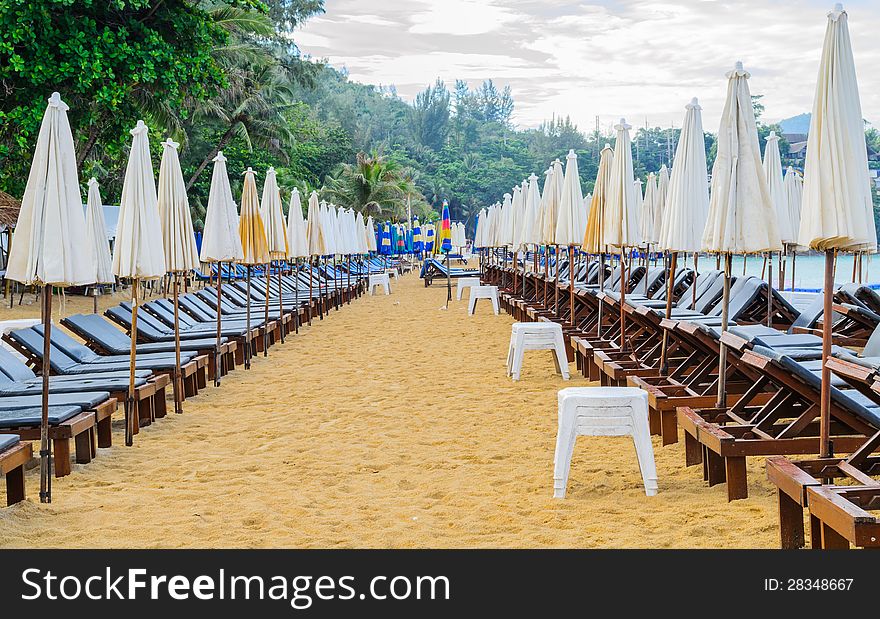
column 12, row 461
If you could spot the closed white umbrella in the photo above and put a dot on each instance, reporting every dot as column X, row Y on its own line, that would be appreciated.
column 773, row 174
column 650, row 206
column 551, row 201
column 370, row 234
column 96, row 237
column 179, row 243
column 646, row 215
column 794, row 190
column 138, row 249
column 532, row 219
column 571, row 222
column 46, row 248
column 594, row 238
column 687, row 199
column 622, row 214
column 687, row 202
column 314, row 233
column 662, row 196
column 220, row 240
column 276, row 237
column 252, row 231
column 741, row 216
column 297, row 244
column 837, row 212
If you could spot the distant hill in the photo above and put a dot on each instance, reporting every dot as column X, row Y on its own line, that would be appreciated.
column 796, row 124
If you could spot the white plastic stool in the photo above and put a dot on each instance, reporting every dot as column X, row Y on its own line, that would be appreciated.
column 380, row 279
column 603, row 411
column 391, row 272
column 465, row 282
column 536, row 336
column 483, row 292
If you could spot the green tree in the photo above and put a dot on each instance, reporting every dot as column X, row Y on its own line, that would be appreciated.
column 373, row 185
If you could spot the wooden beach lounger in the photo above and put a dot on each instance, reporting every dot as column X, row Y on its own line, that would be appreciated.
column 13, row 456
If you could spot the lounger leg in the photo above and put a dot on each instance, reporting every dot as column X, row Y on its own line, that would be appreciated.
column 83, row 447
column 654, row 422
column 158, row 405
column 201, row 378
column 189, row 386
column 145, row 412
column 832, row 540
column 669, row 427
column 693, row 453
column 791, row 522
column 714, row 468
column 104, row 432
column 815, row 533
column 61, row 447
column 15, row 486
column 737, row 484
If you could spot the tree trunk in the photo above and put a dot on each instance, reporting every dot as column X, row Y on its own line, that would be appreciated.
column 227, row 137
column 94, row 131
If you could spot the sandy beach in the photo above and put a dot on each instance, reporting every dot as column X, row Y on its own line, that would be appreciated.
column 389, row 424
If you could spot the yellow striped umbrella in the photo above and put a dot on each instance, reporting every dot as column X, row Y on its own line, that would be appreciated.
column 255, row 247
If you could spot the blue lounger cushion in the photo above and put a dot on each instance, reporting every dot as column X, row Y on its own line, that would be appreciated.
column 8, row 440
column 86, row 400
column 32, row 416
column 851, row 400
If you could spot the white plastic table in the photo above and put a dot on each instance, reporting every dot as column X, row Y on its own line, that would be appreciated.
column 536, row 336
column 465, row 282
column 483, row 292
column 603, row 411
column 380, row 279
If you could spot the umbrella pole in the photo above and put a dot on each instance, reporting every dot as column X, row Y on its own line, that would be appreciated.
column 448, row 282
column 45, row 445
column 311, row 298
column 296, row 303
column 281, row 299
column 825, row 446
column 247, row 337
column 696, row 275
column 217, row 359
column 793, row 266
column 266, row 327
column 178, row 405
column 556, row 293
column 571, row 282
column 623, row 283
column 130, row 414
column 546, row 272
column 348, row 275
column 664, row 362
column 601, row 289
column 722, row 355
column 95, row 299
column 855, row 258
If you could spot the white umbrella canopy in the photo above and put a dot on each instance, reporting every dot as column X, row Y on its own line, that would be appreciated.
column 794, row 190
column 594, row 238
column 370, row 234
column 480, row 232
column 273, row 217
column 327, row 221
column 687, row 200
column 46, row 247
column 662, row 196
column 177, row 229
column 741, row 216
column 251, row 228
column 532, row 220
column 96, row 235
column 621, row 211
column 138, row 249
column 650, row 205
column 773, row 174
column 571, row 223
column 504, row 230
column 646, row 214
column 314, row 232
column 220, row 239
column 297, row 243
column 837, row 207
column 360, row 238
column 550, row 201
column 541, row 211
column 513, row 218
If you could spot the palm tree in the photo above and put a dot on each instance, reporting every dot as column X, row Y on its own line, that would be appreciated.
column 260, row 86
column 372, row 185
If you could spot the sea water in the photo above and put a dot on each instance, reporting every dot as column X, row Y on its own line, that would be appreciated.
column 809, row 269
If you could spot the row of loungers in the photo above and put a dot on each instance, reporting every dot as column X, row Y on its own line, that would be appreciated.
column 773, row 380
column 89, row 378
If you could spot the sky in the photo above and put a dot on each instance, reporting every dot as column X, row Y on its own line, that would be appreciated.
column 639, row 59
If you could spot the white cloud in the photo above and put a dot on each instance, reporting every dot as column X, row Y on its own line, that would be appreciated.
column 612, row 58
